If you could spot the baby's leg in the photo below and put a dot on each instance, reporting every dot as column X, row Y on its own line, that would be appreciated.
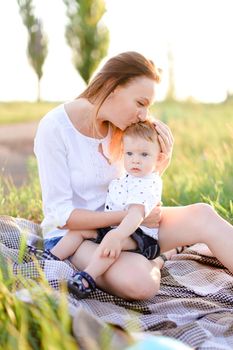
column 68, row 245
column 99, row 265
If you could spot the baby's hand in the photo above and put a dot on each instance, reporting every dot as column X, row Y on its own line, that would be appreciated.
column 111, row 245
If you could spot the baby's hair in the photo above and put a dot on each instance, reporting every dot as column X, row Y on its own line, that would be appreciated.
column 145, row 130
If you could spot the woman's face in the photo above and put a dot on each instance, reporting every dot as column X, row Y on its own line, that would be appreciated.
column 129, row 104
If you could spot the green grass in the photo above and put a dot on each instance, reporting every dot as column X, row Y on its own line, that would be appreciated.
column 201, row 170
column 24, row 201
column 202, row 166
column 17, row 112
column 41, row 322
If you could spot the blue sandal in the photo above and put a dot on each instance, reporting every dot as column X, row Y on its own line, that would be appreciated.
column 77, row 287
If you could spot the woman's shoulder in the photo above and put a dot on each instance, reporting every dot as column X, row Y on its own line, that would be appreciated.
column 51, row 125
column 54, row 116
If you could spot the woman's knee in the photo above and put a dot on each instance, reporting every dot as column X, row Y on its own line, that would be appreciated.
column 140, row 284
column 202, row 215
column 202, row 210
column 142, row 289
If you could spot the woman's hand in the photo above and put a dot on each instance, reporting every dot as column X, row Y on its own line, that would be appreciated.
column 166, row 141
column 154, row 218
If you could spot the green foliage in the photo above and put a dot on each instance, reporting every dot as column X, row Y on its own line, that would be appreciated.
column 30, row 315
column 86, row 34
column 19, row 112
column 201, row 168
column 24, row 201
column 37, row 41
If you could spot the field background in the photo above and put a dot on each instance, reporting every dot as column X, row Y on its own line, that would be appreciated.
column 201, row 168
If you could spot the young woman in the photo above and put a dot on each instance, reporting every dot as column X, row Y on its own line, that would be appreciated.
column 72, row 145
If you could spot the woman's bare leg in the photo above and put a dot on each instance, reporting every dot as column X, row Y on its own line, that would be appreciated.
column 134, row 277
column 197, row 223
column 131, row 276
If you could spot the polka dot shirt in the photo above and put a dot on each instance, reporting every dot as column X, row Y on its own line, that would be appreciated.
column 130, row 189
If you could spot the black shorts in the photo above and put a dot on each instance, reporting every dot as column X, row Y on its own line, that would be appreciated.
column 146, row 245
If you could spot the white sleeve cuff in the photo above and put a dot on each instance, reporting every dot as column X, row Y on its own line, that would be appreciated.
column 56, row 218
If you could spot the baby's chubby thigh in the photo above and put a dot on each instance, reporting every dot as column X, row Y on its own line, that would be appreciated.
column 85, row 234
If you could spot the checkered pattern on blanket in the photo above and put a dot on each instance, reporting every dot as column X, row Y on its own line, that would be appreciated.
column 194, row 305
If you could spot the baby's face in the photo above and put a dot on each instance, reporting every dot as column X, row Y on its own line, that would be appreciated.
column 140, row 156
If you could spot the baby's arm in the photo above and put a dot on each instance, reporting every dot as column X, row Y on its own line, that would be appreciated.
column 133, row 219
column 112, row 243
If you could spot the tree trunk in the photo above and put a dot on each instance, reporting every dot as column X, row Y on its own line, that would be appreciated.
column 38, row 89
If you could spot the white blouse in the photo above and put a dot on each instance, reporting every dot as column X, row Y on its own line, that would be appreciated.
column 73, row 173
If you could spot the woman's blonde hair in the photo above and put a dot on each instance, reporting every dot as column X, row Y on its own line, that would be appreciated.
column 145, row 130
column 117, row 71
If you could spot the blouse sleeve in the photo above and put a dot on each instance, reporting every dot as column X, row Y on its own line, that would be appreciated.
column 51, row 154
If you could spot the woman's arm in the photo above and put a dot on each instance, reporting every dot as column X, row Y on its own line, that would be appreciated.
column 87, row 219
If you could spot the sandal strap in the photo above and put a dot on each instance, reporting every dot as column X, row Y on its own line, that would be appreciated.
column 88, row 278
column 48, row 255
column 181, row 249
column 163, row 257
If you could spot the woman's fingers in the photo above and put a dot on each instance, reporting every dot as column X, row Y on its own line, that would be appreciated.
column 166, row 141
column 164, row 127
column 166, row 136
column 162, row 144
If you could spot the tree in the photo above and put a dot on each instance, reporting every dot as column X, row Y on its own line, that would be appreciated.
column 86, row 34
column 37, row 41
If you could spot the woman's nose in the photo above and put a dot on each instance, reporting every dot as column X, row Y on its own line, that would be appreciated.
column 142, row 116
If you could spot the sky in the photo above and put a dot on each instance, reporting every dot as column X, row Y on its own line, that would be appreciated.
column 198, row 32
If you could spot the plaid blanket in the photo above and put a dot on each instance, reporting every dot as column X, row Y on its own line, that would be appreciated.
column 194, row 305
